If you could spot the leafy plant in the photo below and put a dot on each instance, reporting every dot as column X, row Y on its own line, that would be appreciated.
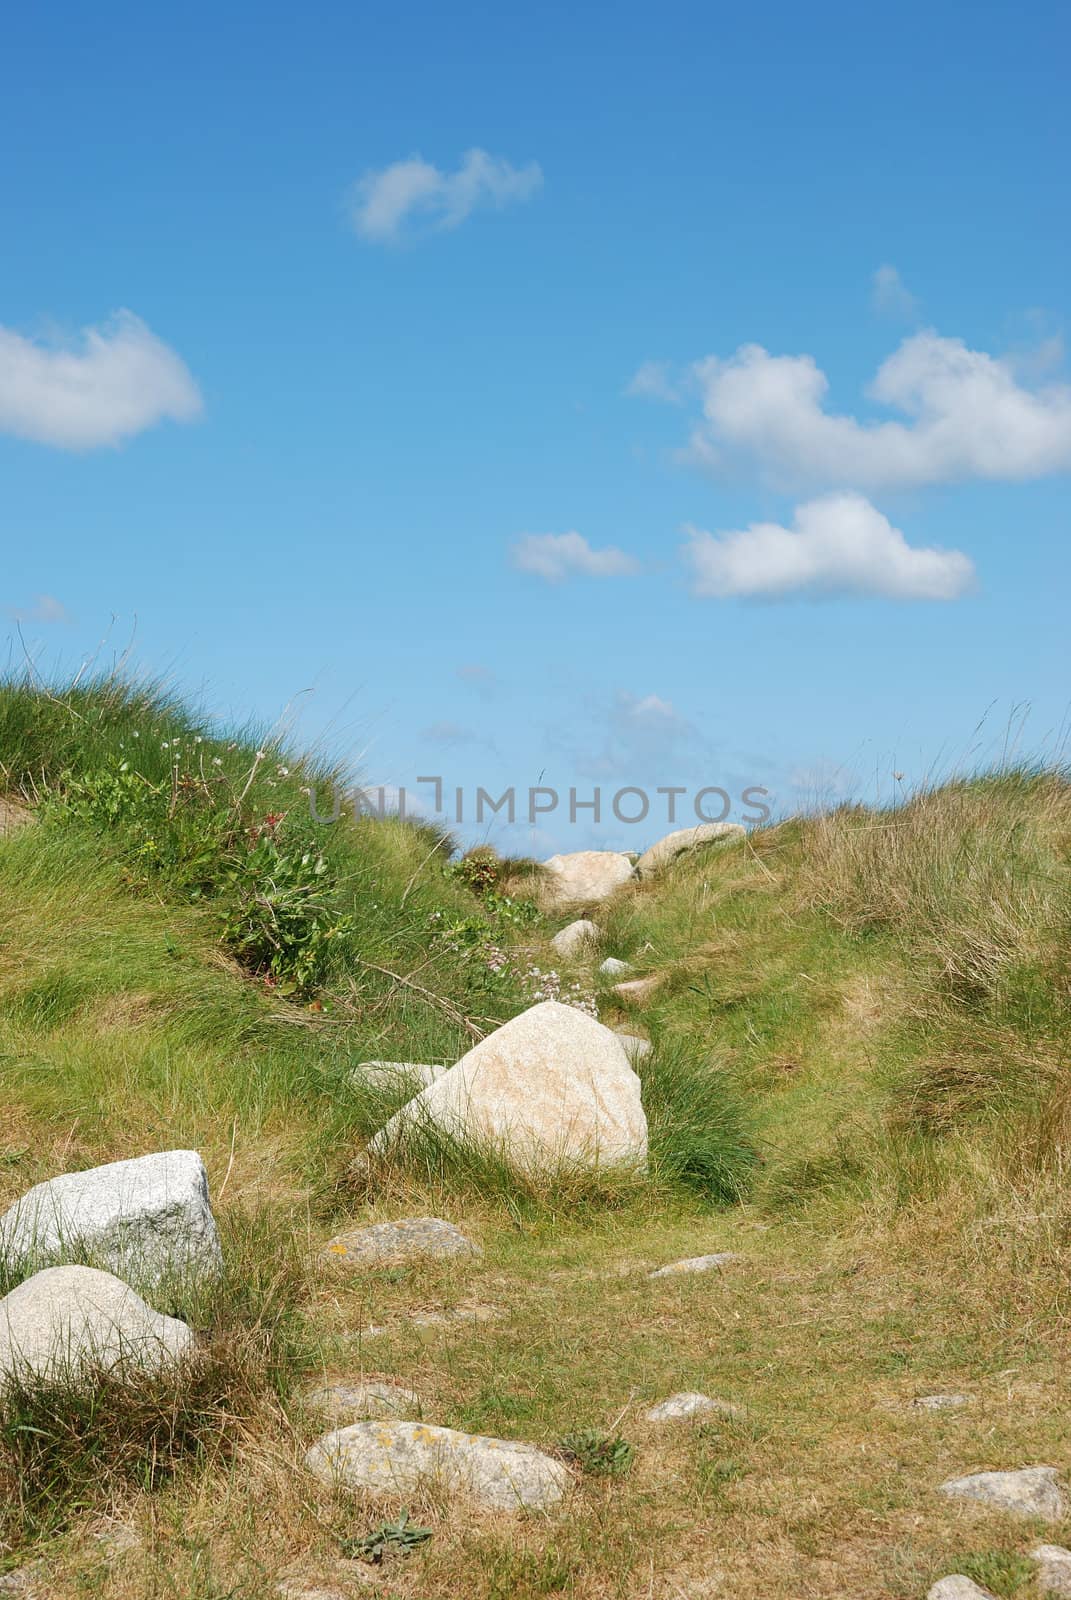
column 278, row 920
column 272, row 886
column 479, row 870
column 602, row 1454
column 399, row 1538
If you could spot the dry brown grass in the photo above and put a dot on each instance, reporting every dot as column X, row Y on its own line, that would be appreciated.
column 825, row 1334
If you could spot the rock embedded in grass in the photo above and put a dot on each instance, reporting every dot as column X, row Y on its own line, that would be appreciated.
column 1054, row 1569
column 585, row 877
column 401, row 1458
column 574, row 940
column 66, row 1324
column 613, row 968
column 636, row 1049
column 148, row 1220
column 304, row 1591
column 386, row 1242
column 29, row 1581
column 1029, row 1492
column 957, row 1587
column 677, row 1269
column 13, row 815
column 550, row 1091
column 399, row 1075
column 637, row 991
column 940, row 1402
column 357, row 1402
column 469, row 1311
column 684, row 839
column 683, row 1407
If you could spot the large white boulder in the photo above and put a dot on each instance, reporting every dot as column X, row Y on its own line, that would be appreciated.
column 585, row 876
column 683, row 839
column 69, row 1323
column 401, row 1458
column 148, row 1220
column 552, row 1089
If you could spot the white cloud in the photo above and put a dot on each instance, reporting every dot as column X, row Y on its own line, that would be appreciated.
column 384, row 201
column 652, row 381
column 840, row 545
column 890, row 295
column 970, row 415
column 555, row 556
column 652, row 705
column 46, row 610
column 119, row 380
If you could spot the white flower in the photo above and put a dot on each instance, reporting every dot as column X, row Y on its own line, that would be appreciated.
column 135, row 734
column 216, row 761
column 164, row 745
column 284, row 772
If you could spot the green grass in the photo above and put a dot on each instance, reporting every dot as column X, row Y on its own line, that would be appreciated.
column 858, row 1084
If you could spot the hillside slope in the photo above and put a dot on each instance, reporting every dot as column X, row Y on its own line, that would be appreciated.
column 858, row 1086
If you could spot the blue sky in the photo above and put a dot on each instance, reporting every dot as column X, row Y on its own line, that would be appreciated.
column 319, row 329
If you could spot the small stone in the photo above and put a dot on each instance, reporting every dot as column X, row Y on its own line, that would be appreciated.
column 575, row 939
column 28, row 1581
column 1054, row 1575
column 410, row 1237
column 301, row 1591
column 354, row 1402
column 1030, row 1492
column 585, row 876
column 957, row 1587
column 940, row 1402
column 400, row 1458
column 117, row 1537
column 148, row 1220
column 682, row 1407
column 636, row 1049
column 67, row 1323
column 637, row 991
column 684, row 839
column 13, row 815
column 612, row 968
column 470, row 1311
column 403, row 1077
column 694, row 1264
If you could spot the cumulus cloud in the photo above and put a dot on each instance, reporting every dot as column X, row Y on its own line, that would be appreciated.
column 890, row 295
column 385, row 200
column 46, row 610
column 555, row 556
column 839, row 545
column 970, row 417
column 112, row 383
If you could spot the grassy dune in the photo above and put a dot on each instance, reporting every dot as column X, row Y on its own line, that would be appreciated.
column 859, row 1084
